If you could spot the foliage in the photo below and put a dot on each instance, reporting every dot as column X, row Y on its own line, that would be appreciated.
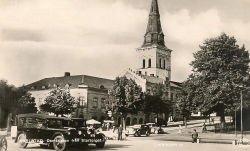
column 125, row 97
column 156, row 100
column 26, row 104
column 184, row 103
column 59, row 101
column 220, row 72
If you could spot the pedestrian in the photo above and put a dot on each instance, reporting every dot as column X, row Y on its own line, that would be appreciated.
column 204, row 129
column 120, row 133
column 194, row 136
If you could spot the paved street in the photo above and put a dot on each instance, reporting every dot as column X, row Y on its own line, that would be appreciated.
column 153, row 142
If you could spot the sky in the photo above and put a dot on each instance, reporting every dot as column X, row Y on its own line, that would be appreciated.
column 45, row 38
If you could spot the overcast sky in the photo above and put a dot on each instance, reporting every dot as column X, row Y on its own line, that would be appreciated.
column 45, row 38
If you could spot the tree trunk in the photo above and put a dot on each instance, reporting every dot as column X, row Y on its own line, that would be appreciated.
column 222, row 120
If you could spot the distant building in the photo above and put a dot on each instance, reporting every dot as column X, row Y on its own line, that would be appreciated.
column 90, row 91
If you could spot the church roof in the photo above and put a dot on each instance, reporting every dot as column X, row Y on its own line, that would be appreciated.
column 73, row 81
column 154, row 33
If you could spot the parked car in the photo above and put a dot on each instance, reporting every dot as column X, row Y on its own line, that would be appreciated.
column 138, row 130
column 153, row 127
column 90, row 135
column 46, row 130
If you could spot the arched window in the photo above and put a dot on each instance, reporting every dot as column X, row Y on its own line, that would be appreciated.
column 128, row 121
column 164, row 64
column 160, row 63
column 149, row 63
column 143, row 63
column 134, row 121
column 141, row 121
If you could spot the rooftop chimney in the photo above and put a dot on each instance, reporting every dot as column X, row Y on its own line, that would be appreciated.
column 66, row 74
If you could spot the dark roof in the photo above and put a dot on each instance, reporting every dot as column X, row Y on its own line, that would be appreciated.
column 73, row 81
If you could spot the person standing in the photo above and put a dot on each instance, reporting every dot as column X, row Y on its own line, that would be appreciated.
column 194, row 136
column 120, row 133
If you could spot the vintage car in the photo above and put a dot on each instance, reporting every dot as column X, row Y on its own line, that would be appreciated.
column 90, row 135
column 138, row 130
column 46, row 130
column 153, row 127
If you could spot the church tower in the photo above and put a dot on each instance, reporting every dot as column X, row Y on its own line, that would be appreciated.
column 154, row 57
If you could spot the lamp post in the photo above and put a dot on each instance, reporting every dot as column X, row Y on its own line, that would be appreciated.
column 235, row 124
column 241, row 116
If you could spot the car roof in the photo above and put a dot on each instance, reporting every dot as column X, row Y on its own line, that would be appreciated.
column 43, row 116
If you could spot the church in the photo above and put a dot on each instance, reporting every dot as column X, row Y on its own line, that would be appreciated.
column 154, row 66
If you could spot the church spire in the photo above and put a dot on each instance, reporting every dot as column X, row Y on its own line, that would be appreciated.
column 154, row 34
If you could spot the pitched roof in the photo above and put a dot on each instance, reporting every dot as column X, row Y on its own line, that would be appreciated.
column 73, row 81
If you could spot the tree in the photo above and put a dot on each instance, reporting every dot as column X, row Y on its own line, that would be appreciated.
column 156, row 100
column 220, row 69
column 26, row 104
column 59, row 101
column 124, row 98
column 184, row 103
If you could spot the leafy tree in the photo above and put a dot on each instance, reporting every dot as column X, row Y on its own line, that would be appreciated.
column 59, row 102
column 184, row 103
column 26, row 104
column 124, row 98
column 220, row 72
column 156, row 100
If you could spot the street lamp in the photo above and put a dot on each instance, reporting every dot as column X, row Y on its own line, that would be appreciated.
column 241, row 116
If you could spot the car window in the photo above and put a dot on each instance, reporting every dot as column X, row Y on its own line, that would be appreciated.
column 22, row 121
column 32, row 122
column 54, row 123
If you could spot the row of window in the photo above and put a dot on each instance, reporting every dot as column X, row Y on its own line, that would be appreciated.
column 162, row 63
column 95, row 103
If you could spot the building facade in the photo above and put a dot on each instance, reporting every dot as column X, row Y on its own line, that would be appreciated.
column 154, row 66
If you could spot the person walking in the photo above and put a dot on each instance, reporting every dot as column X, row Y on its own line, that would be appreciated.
column 194, row 136
column 120, row 133
column 204, row 129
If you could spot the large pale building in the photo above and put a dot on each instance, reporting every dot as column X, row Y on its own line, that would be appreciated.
column 154, row 66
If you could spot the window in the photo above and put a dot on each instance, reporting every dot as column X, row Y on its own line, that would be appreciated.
column 103, row 103
column 164, row 64
column 160, row 63
column 82, row 101
column 149, row 63
column 143, row 63
column 95, row 103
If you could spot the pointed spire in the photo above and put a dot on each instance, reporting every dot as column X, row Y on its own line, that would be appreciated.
column 154, row 34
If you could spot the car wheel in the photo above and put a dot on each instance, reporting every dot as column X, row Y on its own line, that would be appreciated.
column 22, row 140
column 3, row 144
column 147, row 133
column 100, row 144
column 139, row 133
column 59, row 143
